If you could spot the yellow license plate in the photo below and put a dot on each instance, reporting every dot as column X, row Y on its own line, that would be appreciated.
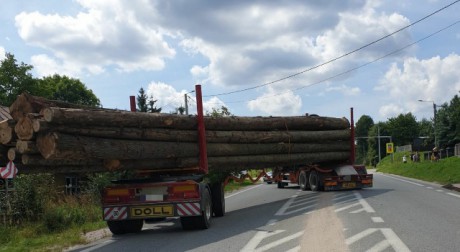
column 348, row 185
column 152, row 211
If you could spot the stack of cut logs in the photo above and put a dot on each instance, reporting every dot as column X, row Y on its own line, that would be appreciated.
column 57, row 137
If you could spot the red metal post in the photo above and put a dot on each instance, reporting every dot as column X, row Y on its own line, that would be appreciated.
column 201, row 131
column 352, row 140
column 132, row 103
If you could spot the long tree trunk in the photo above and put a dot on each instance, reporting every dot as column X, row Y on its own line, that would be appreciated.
column 82, row 117
column 230, row 162
column 58, row 145
column 212, row 136
column 37, row 160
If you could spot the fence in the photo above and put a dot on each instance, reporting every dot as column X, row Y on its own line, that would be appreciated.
column 457, row 150
column 404, row 148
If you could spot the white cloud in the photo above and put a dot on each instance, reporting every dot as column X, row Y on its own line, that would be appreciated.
column 277, row 103
column 436, row 79
column 344, row 89
column 103, row 34
column 2, row 53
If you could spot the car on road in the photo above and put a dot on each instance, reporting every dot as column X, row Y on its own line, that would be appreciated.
column 269, row 177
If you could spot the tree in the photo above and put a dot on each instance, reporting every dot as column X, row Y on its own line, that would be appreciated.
column 363, row 125
column 152, row 108
column 448, row 123
column 403, row 128
column 145, row 104
column 67, row 89
column 14, row 79
column 142, row 101
column 180, row 110
column 219, row 112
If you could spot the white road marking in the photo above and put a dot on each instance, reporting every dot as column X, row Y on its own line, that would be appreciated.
column 429, row 187
column 342, row 196
column 364, row 203
column 377, row 219
column 271, row 222
column 258, row 237
column 296, row 249
column 453, row 194
column 286, row 205
column 407, row 181
column 280, row 241
column 299, row 209
column 346, row 207
column 381, row 246
column 394, row 240
column 359, row 236
column 439, row 190
column 250, row 188
column 346, row 201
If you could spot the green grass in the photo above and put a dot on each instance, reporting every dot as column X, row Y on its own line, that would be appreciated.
column 34, row 237
column 445, row 171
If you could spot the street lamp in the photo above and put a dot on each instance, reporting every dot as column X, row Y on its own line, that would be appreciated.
column 434, row 120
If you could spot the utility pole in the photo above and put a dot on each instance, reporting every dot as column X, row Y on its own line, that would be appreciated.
column 378, row 134
column 186, row 104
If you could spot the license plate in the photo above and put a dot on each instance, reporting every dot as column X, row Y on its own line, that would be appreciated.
column 152, row 211
column 348, row 185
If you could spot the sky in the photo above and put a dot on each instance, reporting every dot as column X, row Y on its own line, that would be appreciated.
column 257, row 58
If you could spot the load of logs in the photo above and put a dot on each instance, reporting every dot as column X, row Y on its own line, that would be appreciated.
column 57, row 137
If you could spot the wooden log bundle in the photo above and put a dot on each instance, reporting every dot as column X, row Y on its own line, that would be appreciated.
column 58, row 137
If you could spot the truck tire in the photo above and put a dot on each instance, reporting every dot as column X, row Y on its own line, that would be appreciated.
column 303, row 182
column 280, row 184
column 218, row 199
column 314, row 181
column 125, row 226
column 204, row 220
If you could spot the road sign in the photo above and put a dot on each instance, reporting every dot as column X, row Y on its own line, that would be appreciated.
column 9, row 171
column 390, row 148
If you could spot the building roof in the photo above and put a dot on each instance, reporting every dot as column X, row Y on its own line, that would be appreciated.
column 4, row 113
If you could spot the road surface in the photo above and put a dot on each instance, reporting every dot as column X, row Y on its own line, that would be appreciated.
column 397, row 214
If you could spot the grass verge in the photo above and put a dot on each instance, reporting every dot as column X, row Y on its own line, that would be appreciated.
column 445, row 171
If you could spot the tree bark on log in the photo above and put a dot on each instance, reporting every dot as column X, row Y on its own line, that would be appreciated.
column 26, row 147
column 24, row 169
column 57, row 145
column 26, row 103
column 82, row 117
column 170, row 135
column 37, row 160
column 229, row 163
column 7, row 135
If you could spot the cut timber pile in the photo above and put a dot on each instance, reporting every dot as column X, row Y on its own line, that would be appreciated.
column 59, row 137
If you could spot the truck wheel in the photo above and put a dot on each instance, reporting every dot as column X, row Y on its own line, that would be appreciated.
column 314, row 181
column 204, row 220
column 218, row 199
column 125, row 226
column 303, row 183
column 280, row 184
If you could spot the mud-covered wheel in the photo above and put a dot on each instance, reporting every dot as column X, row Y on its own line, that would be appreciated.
column 125, row 226
column 280, row 184
column 218, row 199
column 314, row 181
column 204, row 220
column 303, row 182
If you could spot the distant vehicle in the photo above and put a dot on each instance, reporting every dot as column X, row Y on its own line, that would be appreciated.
column 268, row 178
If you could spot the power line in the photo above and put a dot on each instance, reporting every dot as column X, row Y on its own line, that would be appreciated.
column 358, row 67
column 339, row 57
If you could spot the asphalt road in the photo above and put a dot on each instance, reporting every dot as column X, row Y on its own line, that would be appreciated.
column 397, row 214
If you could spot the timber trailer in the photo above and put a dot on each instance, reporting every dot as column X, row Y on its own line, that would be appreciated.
column 183, row 193
column 326, row 176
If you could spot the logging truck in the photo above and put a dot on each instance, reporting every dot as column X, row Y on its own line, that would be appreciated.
column 172, row 159
column 326, row 176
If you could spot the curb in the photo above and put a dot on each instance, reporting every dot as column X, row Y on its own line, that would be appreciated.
column 453, row 187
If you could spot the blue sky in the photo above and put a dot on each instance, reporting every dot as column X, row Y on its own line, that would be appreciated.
column 116, row 47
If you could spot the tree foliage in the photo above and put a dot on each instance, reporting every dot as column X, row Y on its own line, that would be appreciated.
column 146, row 104
column 363, row 125
column 403, row 129
column 448, row 123
column 69, row 90
column 219, row 112
column 14, row 79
